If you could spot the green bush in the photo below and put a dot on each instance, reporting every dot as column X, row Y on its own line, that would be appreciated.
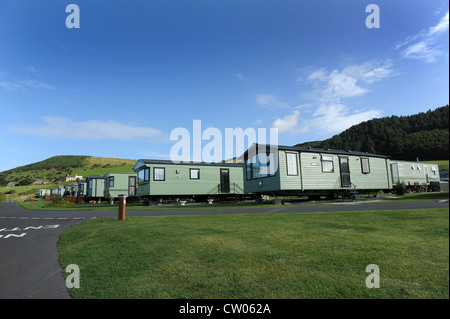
column 60, row 202
column 399, row 188
column 2, row 197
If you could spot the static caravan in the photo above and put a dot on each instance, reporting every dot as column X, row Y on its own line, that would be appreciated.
column 68, row 190
column 79, row 188
column 95, row 186
column 414, row 173
column 54, row 191
column 60, row 190
column 120, row 183
column 167, row 179
column 43, row 192
column 286, row 170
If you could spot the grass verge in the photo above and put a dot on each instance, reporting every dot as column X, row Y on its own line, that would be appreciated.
column 283, row 256
column 42, row 204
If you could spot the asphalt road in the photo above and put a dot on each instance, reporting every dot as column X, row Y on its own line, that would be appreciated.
column 29, row 264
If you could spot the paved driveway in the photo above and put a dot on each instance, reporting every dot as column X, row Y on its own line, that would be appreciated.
column 29, row 264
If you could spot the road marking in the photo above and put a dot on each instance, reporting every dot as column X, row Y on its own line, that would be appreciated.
column 47, row 218
column 12, row 235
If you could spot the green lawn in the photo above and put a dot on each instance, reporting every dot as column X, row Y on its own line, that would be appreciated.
column 311, row 255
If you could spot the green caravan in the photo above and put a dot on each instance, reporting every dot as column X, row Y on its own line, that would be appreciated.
column 299, row 171
column 95, row 187
column 158, row 179
column 120, row 183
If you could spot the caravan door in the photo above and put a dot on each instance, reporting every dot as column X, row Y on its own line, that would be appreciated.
column 345, row 172
column 425, row 171
column 224, row 180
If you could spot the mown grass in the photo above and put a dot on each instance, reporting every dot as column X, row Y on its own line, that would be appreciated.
column 283, row 256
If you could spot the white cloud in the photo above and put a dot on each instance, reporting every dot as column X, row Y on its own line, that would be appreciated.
column 10, row 86
column 370, row 72
column 22, row 85
column 441, row 27
column 335, row 118
column 331, row 88
column 289, row 123
column 58, row 127
column 423, row 45
column 34, row 84
column 240, row 76
column 270, row 101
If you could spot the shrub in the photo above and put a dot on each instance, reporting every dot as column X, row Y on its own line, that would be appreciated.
column 399, row 188
column 59, row 202
column 2, row 197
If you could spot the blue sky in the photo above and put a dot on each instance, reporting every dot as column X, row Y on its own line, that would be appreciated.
column 136, row 70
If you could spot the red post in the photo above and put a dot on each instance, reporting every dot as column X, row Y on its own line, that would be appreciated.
column 122, row 206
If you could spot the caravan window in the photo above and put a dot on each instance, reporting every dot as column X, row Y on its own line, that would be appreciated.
column 111, row 181
column 291, row 163
column 433, row 169
column 144, row 175
column 401, row 172
column 365, row 167
column 261, row 165
column 159, row 174
column 327, row 164
column 194, row 173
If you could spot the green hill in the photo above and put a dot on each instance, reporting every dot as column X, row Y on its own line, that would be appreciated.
column 55, row 169
column 424, row 135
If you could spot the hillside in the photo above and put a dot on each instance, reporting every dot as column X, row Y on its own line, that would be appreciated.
column 56, row 168
column 423, row 135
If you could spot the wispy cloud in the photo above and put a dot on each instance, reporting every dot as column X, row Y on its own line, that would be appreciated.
column 424, row 45
column 333, row 86
column 34, row 84
column 240, row 76
column 58, row 127
column 10, row 86
column 30, row 69
column 13, row 85
column 270, row 101
column 25, row 84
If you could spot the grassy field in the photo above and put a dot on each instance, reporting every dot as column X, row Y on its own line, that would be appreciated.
column 18, row 191
column 283, row 256
column 55, row 168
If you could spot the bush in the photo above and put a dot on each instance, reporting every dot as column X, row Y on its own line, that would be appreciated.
column 133, row 199
column 59, row 202
column 399, row 188
column 2, row 197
